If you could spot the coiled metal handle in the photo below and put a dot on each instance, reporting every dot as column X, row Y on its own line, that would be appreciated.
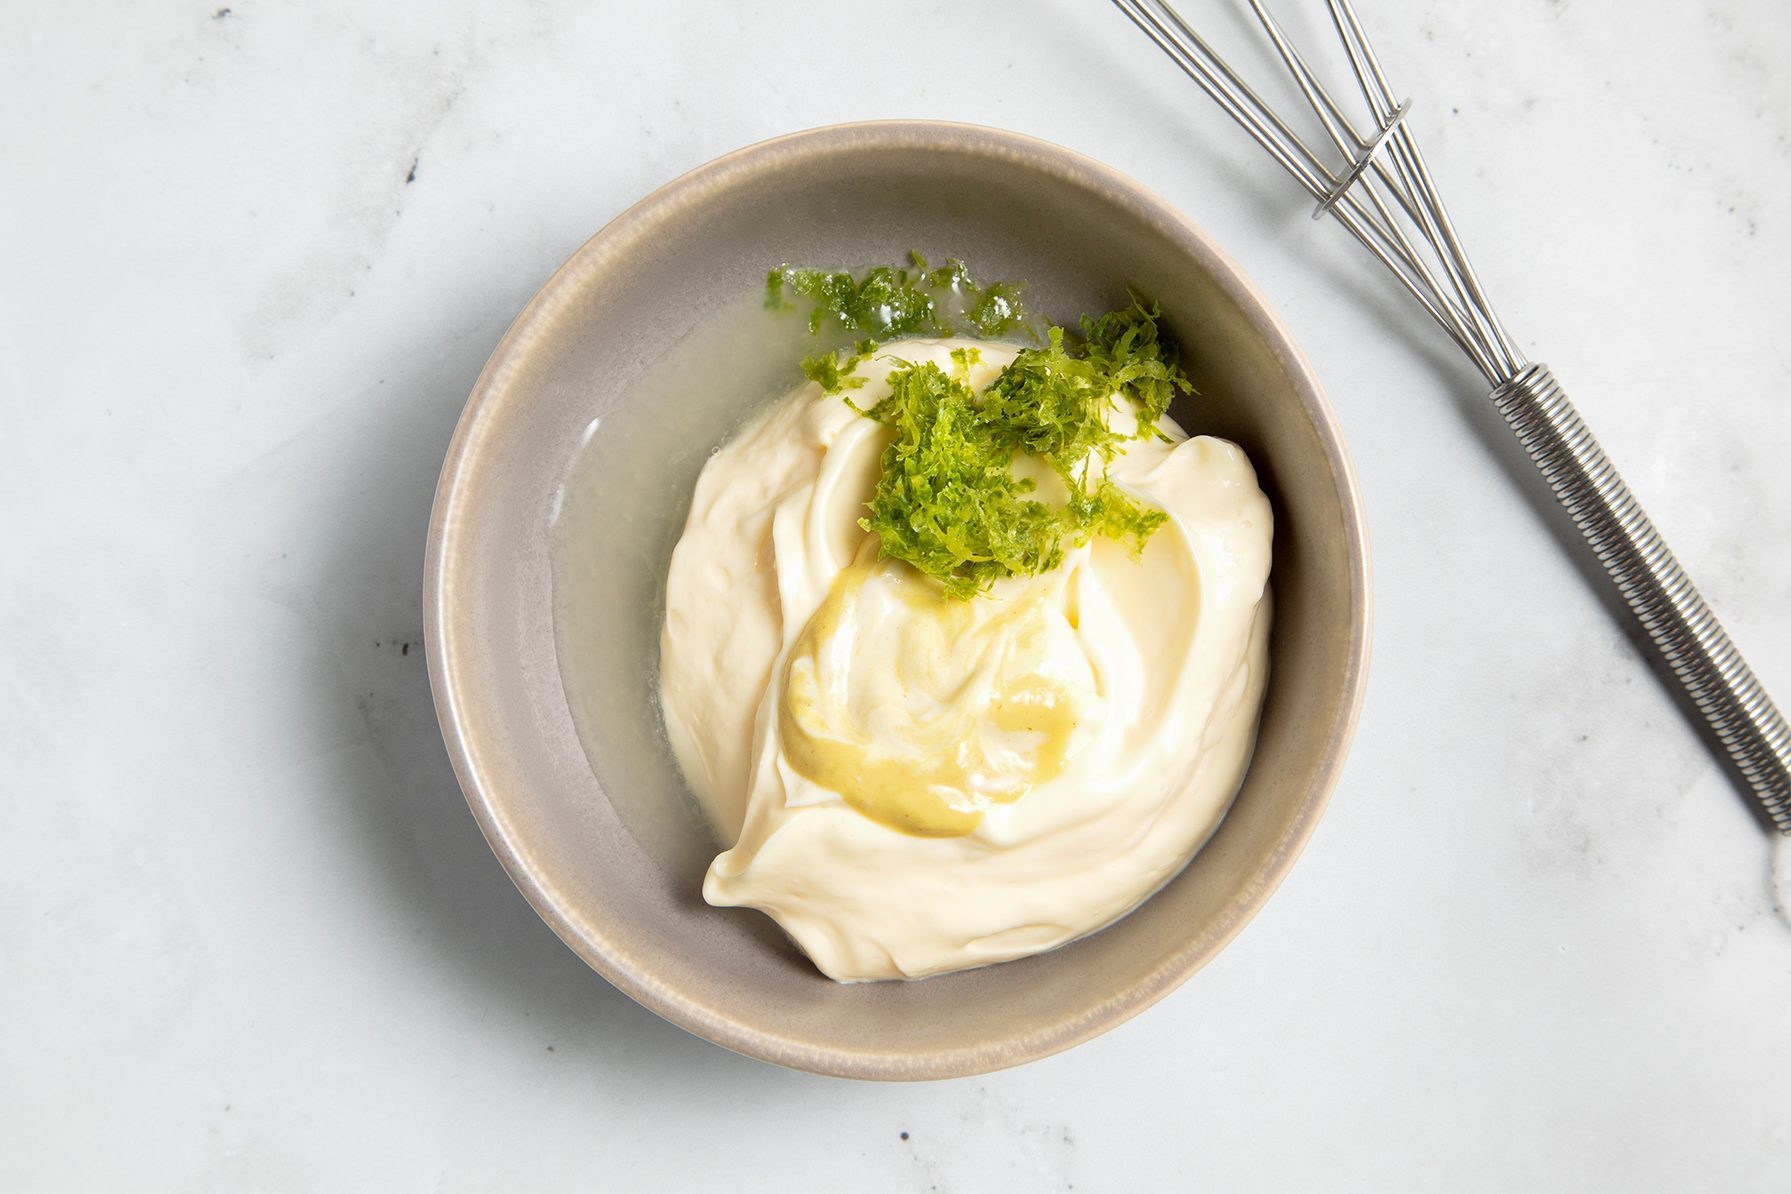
column 1658, row 592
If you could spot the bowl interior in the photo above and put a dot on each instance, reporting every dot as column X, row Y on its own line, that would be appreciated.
column 605, row 846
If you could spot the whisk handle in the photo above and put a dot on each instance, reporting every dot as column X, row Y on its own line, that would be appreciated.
column 1657, row 590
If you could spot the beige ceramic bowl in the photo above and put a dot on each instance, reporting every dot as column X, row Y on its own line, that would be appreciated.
column 619, row 882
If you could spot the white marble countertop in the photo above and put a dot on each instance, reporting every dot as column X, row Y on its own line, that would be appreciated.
column 251, row 259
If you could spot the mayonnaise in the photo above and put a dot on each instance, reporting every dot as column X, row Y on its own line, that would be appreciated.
column 912, row 785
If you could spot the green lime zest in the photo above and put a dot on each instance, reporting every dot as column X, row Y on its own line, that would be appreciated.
column 947, row 500
column 892, row 302
column 961, row 361
column 836, row 372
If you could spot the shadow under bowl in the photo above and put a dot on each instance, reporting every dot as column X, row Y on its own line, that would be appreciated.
column 560, row 821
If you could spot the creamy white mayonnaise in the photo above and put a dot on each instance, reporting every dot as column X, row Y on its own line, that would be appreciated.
column 1032, row 764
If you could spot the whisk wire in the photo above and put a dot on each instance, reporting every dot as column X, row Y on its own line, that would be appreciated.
column 1373, row 223
column 1197, row 59
column 1384, row 195
column 1439, row 228
column 1366, row 154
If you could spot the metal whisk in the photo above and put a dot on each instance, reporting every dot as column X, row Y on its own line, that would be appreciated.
column 1384, row 195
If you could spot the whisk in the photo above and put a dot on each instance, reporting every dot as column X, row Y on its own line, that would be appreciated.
column 1383, row 193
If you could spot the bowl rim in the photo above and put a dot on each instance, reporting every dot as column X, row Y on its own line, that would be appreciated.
column 609, row 957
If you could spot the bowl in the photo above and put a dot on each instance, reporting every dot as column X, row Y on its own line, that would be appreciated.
column 592, row 830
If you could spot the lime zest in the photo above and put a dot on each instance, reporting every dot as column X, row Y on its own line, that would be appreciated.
column 947, row 500
column 893, row 302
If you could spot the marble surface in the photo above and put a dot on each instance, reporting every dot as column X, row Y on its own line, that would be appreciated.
column 251, row 259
